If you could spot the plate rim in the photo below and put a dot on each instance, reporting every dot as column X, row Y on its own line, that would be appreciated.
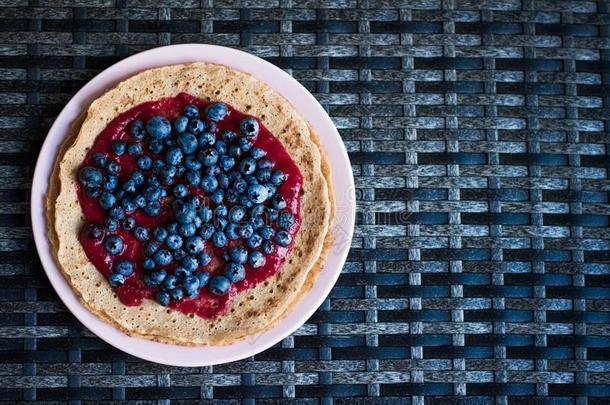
column 108, row 78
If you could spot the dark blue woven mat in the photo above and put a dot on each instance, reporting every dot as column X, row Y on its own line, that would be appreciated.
column 478, row 133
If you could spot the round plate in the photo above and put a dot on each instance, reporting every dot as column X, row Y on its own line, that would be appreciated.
column 342, row 179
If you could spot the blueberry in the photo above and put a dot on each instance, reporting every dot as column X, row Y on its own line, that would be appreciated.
column 152, row 209
column 139, row 201
column 191, row 163
column 180, row 124
column 244, row 144
column 116, row 279
column 190, row 263
column 107, row 200
column 267, row 247
column 148, row 264
column 205, row 213
column 286, row 221
column 179, row 254
column 221, row 223
column 162, row 257
column 278, row 177
column 220, row 147
column 251, row 180
column 150, row 248
column 110, row 183
column 158, row 276
column 113, row 167
column 272, row 214
column 193, row 178
column 195, row 244
column 167, row 174
column 92, row 192
column 187, row 229
column 111, row 224
column 196, row 126
column 257, row 222
column 169, row 142
column 265, row 164
column 177, row 293
column 217, row 196
column 128, row 205
column 135, row 149
column 152, row 193
column 155, row 146
column 237, row 213
column 172, row 227
column 163, row 297
column 216, row 111
column 174, row 156
column 203, row 278
column 219, row 239
column 180, row 191
column 193, row 201
column 223, row 180
column 141, row 233
column 144, row 162
column 185, row 213
column 227, row 162
column 240, row 185
column 254, row 241
column 95, row 231
column 219, row 285
column 129, row 186
column 232, row 231
column 238, row 254
column 119, row 194
column 206, row 231
column 187, row 142
column 191, row 283
column 208, row 156
column 228, row 135
column 266, row 232
column 263, row 175
column 118, row 147
column 116, row 213
column 205, row 138
column 257, row 193
column 137, row 130
column 153, row 181
column 113, row 244
column 191, row 111
column 90, row 176
column 99, row 159
column 246, row 231
column 249, row 127
column 221, row 211
column 173, row 241
column 247, row 166
column 129, row 223
column 159, row 127
column 232, row 196
column 257, row 259
column 124, row 267
column 257, row 153
column 283, row 238
column 209, row 184
column 160, row 233
column 234, row 151
column 279, row 203
column 138, row 177
column 270, row 189
column 235, row 272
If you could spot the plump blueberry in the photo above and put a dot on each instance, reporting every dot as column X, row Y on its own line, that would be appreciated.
column 204, row 213
column 170, row 281
column 90, row 176
column 144, row 162
column 160, row 233
column 129, row 186
column 191, row 283
column 278, row 177
column 148, row 263
column 221, row 211
column 240, row 185
column 182, row 272
column 194, row 244
column 221, row 223
column 152, row 193
column 188, row 229
column 257, row 222
column 191, row 163
column 251, row 180
column 286, row 221
column 139, row 201
column 237, row 213
column 221, row 147
column 110, row 183
column 193, row 178
column 173, row 241
column 135, row 149
column 208, row 156
column 118, row 147
column 231, row 231
column 219, row 285
column 279, row 203
column 258, row 210
column 234, row 151
column 169, row 142
column 92, row 192
column 219, row 239
column 107, row 200
column 209, row 184
column 174, row 156
column 217, row 196
column 235, row 272
column 246, row 231
column 180, row 124
column 155, row 146
column 257, row 153
column 238, row 254
column 271, row 189
column 249, row 127
column 172, row 227
column 247, row 166
column 138, row 177
column 185, row 213
column 116, row 279
column 216, row 111
column 150, row 248
column 141, row 233
column 180, row 191
column 227, row 162
column 191, row 111
column 187, row 142
column 153, row 181
column 204, row 259
column 113, row 244
column 159, row 127
column 124, row 267
column 228, row 135
column 206, row 231
column 193, row 201
column 177, row 293
column 179, row 254
column 129, row 223
column 244, row 144
column 163, row 297
column 267, row 247
column 203, row 278
column 254, row 241
column 113, row 167
column 232, row 196
column 223, row 180
column 153, row 209
column 95, row 231
column 257, row 193
column 272, row 214
column 266, row 232
column 263, row 175
column 99, row 159
column 196, row 126
column 128, row 205
column 137, row 130
column 111, row 224
column 265, row 164
column 283, row 238
column 116, row 212
column 162, row 257
column 257, row 259
column 190, row 263
column 158, row 276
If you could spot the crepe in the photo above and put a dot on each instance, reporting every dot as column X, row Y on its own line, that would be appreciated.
column 253, row 310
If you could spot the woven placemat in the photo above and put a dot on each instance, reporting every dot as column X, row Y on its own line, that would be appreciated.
column 478, row 134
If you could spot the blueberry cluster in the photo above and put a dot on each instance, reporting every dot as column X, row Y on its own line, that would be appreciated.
column 241, row 208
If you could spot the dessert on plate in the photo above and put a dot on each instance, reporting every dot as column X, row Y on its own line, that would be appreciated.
column 191, row 206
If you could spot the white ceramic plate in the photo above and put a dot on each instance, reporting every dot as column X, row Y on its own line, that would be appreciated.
column 342, row 179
